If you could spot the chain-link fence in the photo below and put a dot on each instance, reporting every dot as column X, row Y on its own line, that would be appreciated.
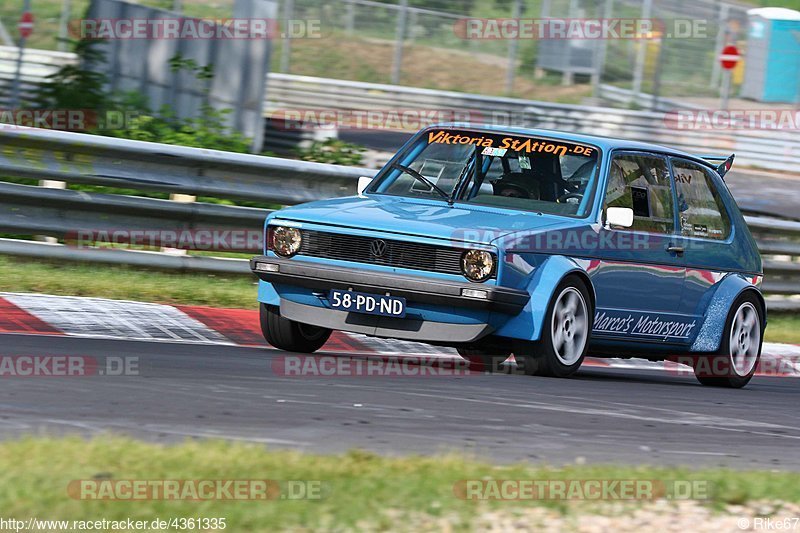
column 392, row 43
column 675, row 64
column 423, row 43
column 383, row 42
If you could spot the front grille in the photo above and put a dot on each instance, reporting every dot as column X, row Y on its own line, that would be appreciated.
column 400, row 254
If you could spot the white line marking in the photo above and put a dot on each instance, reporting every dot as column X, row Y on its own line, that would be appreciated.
column 114, row 318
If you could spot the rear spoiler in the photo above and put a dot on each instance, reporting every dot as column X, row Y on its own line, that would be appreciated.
column 723, row 163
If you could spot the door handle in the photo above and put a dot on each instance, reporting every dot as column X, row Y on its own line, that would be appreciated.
column 675, row 249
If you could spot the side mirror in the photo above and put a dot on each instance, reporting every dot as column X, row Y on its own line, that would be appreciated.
column 621, row 217
column 363, row 183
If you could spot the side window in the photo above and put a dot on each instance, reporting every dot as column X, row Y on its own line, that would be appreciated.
column 642, row 183
column 702, row 213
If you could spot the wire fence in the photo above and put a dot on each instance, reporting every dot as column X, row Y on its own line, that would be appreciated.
column 682, row 66
column 679, row 59
column 404, row 43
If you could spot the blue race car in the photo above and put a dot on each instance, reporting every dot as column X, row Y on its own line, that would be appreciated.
column 540, row 244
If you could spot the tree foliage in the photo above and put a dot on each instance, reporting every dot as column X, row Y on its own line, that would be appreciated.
column 333, row 151
column 84, row 86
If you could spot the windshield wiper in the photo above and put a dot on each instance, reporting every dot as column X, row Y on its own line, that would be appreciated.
column 414, row 174
column 451, row 198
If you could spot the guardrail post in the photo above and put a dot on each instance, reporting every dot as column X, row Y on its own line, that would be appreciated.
column 183, row 199
column 50, row 184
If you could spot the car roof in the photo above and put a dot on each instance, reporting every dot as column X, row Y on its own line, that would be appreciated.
column 604, row 143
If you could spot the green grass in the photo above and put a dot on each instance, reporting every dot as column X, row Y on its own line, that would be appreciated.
column 359, row 490
column 791, row 4
column 122, row 282
column 128, row 283
column 783, row 327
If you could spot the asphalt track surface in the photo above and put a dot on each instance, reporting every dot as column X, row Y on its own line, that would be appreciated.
column 600, row 416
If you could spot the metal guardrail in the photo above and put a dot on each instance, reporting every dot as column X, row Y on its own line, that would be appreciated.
column 96, row 160
column 626, row 97
column 779, row 243
column 78, row 215
column 136, row 258
column 769, row 149
column 43, row 154
column 776, row 150
column 37, row 65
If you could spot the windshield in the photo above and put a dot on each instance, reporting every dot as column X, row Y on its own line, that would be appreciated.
column 511, row 171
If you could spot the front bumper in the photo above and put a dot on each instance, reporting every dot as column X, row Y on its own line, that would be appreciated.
column 383, row 326
column 412, row 288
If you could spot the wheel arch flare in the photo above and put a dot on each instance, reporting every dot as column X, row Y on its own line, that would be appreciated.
column 541, row 285
column 728, row 291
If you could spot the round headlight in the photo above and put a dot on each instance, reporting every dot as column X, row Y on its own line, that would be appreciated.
column 477, row 265
column 286, row 241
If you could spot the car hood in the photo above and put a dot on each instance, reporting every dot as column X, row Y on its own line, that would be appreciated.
column 424, row 218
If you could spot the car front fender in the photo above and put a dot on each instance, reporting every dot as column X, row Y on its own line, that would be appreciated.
column 267, row 293
column 542, row 283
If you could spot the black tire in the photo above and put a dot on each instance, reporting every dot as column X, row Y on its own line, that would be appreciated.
column 729, row 367
column 483, row 360
column 543, row 358
column 289, row 335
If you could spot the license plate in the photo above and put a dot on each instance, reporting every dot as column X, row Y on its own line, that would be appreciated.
column 370, row 304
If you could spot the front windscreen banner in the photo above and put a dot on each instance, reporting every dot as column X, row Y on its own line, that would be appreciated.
column 504, row 170
column 500, row 145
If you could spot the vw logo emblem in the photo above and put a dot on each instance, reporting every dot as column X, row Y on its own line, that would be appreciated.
column 377, row 248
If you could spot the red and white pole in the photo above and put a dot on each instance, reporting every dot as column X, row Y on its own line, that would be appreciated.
column 25, row 27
